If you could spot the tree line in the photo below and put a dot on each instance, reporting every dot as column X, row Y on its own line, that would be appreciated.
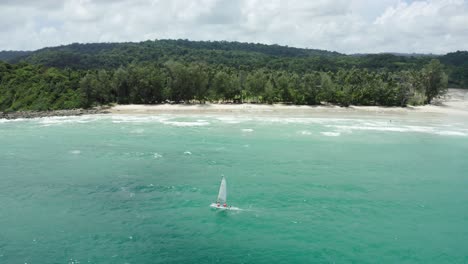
column 241, row 56
column 33, row 87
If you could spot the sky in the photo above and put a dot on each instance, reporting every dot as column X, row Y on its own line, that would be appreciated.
column 346, row 26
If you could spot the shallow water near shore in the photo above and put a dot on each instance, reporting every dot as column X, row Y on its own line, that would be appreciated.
column 137, row 189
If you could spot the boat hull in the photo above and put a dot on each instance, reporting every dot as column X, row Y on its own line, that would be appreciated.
column 222, row 208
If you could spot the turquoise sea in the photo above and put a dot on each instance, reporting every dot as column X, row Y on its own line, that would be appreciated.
column 137, row 189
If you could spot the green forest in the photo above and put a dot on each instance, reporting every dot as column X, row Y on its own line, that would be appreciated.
column 182, row 71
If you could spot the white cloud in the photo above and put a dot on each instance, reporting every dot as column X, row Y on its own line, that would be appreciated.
column 435, row 26
column 350, row 26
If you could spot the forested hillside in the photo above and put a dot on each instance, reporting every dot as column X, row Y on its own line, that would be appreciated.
column 83, row 75
column 111, row 55
column 457, row 67
column 247, row 56
column 11, row 55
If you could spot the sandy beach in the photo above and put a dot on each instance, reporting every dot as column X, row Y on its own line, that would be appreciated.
column 454, row 103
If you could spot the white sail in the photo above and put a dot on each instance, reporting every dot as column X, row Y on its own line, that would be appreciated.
column 222, row 195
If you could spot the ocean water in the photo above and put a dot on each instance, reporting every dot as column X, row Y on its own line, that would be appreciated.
column 136, row 189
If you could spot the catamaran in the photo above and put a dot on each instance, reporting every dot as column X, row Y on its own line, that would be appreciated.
column 221, row 202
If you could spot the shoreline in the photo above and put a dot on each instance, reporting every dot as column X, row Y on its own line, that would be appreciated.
column 52, row 113
column 454, row 103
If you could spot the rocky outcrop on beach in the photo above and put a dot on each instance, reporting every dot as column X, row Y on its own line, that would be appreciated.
column 38, row 114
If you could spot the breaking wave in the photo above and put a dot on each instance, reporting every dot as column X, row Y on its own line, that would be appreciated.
column 185, row 123
column 451, row 133
column 331, row 134
column 399, row 129
column 135, row 119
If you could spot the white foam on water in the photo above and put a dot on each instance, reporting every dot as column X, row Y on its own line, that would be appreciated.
column 247, row 130
column 331, row 134
column 187, row 153
column 305, row 120
column 421, row 129
column 344, row 131
column 233, row 119
column 75, row 152
column 305, row 132
column 59, row 120
column 72, row 261
column 451, row 133
column 118, row 119
column 127, row 192
column 54, row 121
column 282, row 120
column 373, row 128
column 197, row 123
column 376, row 126
column 157, row 155
column 230, row 120
column 12, row 120
column 165, row 119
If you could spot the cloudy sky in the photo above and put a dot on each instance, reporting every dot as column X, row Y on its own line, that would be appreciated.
column 348, row 26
